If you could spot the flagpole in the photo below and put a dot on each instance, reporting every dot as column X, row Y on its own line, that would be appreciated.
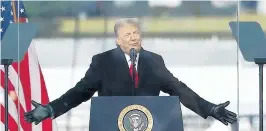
column 14, row 12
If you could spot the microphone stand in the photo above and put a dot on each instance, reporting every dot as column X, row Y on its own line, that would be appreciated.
column 133, row 55
column 133, row 78
column 260, row 62
column 6, row 63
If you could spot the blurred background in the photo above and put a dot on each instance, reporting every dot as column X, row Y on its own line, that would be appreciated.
column 193, row 37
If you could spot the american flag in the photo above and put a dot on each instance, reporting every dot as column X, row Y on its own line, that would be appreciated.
column 25, row 81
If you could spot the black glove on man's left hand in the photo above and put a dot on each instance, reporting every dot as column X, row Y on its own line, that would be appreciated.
column 225, row 116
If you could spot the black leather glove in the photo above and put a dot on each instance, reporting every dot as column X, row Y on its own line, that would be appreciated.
column 39, row 114
column 220, row 113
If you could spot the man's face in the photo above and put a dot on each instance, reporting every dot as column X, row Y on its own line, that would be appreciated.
column 129, row 37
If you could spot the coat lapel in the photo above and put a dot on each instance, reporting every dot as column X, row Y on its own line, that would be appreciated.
column 121, row 64
column 143, row 67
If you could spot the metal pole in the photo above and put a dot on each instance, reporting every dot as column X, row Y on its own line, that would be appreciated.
column 105, row 33
column 6, row 63
column 76, row 35
column 260, row 62
column 6, row 97
column 261, row 97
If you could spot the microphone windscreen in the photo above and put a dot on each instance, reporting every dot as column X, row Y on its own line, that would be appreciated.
column 132, row 54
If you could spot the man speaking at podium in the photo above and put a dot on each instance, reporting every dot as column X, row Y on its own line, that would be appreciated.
column 112, row 73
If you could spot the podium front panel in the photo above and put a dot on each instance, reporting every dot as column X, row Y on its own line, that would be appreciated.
column 136, row 113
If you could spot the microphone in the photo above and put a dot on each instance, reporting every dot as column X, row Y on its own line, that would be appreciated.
column 133, row 56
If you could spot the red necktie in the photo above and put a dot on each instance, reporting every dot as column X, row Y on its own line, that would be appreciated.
column 136, row 75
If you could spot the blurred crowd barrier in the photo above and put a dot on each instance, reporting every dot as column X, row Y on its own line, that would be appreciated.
column 183, row 18
column 193, row 37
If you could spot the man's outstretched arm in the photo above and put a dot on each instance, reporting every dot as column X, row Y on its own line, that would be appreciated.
column 81, row 92
column 192, row 100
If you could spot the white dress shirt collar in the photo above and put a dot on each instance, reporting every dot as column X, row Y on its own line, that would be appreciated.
column 128, row 59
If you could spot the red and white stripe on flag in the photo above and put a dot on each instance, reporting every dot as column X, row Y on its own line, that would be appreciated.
column 26, row 83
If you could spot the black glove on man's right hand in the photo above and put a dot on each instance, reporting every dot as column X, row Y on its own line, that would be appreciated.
column 39, row 114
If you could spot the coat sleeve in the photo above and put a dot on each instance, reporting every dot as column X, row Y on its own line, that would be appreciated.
column 190, row 99
column 81, row 92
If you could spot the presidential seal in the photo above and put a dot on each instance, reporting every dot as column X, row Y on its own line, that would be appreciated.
column 135, row 118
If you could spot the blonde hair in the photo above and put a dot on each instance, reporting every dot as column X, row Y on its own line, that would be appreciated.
column 119, row 23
